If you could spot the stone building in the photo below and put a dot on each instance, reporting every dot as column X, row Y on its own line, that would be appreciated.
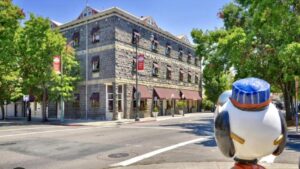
column 172, row 71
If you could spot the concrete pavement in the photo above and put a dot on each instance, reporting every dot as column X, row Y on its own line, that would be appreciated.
column 204, row 165
column 170, row 142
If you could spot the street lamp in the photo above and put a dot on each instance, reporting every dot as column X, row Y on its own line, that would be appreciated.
column 137, row 99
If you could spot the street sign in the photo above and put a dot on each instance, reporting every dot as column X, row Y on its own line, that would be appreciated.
column 141, row 62
column 56, row 64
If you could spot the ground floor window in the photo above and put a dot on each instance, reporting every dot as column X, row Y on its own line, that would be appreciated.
column 110, row 98
column 143, row 106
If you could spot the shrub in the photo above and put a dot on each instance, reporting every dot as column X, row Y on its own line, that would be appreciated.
column 181, row 104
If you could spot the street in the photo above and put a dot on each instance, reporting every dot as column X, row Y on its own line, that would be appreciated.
column 179, row 140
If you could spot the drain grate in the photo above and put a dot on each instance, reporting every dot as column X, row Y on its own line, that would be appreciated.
column 118, row 155
column 19, row 168
column 7, row 144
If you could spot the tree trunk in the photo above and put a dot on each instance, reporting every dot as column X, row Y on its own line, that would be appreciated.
column 287, row 101
column 44, row 105
column 2, row 110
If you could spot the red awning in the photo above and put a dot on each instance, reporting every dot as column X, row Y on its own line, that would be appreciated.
column 145, row 94
column 164, row 93
column 190, row 95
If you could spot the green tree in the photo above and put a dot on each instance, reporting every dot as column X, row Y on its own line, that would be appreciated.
column 38, row 44
column 10, row 15
column 266, row 43
column 216, row 75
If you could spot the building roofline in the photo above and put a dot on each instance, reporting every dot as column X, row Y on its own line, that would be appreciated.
column 120, row 12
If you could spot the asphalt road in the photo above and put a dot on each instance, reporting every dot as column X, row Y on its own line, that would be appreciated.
column 188, row 139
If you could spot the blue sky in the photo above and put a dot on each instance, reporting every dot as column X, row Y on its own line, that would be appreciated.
column 176, row 16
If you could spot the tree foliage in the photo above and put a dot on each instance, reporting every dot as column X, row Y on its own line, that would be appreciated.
column 262, row 39
column 10, row 15
column 38, row 44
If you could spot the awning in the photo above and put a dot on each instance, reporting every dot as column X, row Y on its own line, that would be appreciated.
column 164, row 93
column 190, row 95
column 95, row 96
column 181, row 71
column 145, row 94
column 95, row 58
column 169, row 68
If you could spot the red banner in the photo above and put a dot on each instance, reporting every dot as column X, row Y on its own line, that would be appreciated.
column 56, row 64
column 141, row 62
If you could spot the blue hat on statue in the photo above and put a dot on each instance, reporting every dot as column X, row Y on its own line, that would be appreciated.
column 250, row 93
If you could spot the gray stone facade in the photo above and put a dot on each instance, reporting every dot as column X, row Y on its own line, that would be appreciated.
column 116, row 53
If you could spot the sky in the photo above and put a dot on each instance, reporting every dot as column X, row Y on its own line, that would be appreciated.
column 175, row 16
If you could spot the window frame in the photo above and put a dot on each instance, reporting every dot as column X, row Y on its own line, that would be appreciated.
column 169, row 73
column 181, row 75
column 155, row 70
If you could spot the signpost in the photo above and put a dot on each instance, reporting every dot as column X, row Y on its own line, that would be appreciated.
column 296, row 98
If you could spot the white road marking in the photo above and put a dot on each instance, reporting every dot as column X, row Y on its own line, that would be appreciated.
column 32, row 128
column 156, row 152
column 159, row 128
column 268, row 159
column 50, row 131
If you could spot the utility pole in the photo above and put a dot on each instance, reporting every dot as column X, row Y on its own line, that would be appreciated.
column 86, row 63
column 62, row 103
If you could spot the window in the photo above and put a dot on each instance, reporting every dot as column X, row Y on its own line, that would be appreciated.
column 180, row 54
column 154, row 43
column 196, row 79
column 95, row 35
column 76, row 102
column 181, row 75
column 196, row 61
column 168, row 49
column 143, row 105
column 135, row 37
column 95, row 64
column 133, row 66
column 110, row 98
column 94, row 100
column 155, row 69
column 76, row 39
column 120, row 98
column 169, row 72
column 189, row 77
column 189, row 58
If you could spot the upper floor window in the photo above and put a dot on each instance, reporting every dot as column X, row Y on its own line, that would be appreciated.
column 196, row 61
column 95, row 99
column 95, row 34
column 95, row 64
column 168, row 49
column 133, row 66
column 154, row 43
column 76, row 39
column 169, row 72
column 190, row 77
column 155, row 69
column 189, row 59
column 180, row 54
column 196, row 79
column 135, row 37
column 181, row 75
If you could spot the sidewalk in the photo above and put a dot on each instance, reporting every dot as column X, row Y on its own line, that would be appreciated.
column 205, row 165
column 67, row 122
